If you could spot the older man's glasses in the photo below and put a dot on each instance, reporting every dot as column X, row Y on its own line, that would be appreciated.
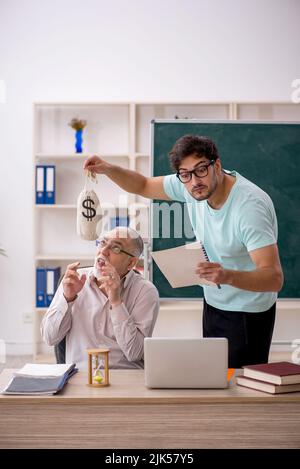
column 113, row 247
column 185, row 176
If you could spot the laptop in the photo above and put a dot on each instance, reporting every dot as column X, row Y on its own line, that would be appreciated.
column 172, row 362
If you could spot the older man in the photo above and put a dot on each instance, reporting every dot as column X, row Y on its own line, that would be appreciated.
column 108, row 305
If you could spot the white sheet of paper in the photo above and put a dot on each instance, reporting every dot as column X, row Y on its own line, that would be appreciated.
column 43, row 370
column 179, row 264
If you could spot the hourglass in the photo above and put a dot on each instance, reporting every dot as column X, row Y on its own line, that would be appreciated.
column 98, row 367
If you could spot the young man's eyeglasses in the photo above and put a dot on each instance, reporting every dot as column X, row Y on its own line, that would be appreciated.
column 115, row 248
column 185, row 176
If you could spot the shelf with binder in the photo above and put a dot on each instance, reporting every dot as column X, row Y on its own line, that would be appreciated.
column 56, row 233
column 70, row 180
column 45, row 184
column 47, row 279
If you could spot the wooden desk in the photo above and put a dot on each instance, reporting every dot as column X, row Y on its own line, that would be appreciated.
column 128, row 415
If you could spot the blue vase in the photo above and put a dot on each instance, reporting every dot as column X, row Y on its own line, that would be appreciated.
column 78, row 143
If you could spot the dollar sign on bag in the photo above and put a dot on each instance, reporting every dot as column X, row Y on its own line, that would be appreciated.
column 90, row 211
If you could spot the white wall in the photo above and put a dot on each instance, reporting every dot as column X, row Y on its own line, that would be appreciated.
column 130, row 50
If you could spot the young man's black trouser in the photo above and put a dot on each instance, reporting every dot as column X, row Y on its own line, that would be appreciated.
column 249, row 334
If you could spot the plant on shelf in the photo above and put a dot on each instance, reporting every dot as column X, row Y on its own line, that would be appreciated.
column 78, row 125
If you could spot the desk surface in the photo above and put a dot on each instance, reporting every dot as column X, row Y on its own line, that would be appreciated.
column 127, row 387
column 128, row 415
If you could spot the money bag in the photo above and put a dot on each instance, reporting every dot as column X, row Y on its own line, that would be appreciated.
column 88, row 214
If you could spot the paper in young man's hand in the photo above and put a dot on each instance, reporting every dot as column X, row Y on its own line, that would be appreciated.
column 179, row 264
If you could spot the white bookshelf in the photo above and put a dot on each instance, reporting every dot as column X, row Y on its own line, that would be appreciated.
column 119, row 133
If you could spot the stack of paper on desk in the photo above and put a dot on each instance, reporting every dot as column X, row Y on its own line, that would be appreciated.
column 44, row 370
column 37, row 379
column 179, row 264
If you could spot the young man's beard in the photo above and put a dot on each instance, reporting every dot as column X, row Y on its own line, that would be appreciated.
column 205, row 195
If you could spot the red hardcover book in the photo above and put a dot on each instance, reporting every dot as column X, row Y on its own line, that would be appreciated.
column 276, row 373
column 266, row 387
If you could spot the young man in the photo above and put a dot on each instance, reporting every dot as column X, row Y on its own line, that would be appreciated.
column 240, row 237
column 109, row 305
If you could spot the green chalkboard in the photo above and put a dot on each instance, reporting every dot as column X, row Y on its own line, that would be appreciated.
column 267, row 154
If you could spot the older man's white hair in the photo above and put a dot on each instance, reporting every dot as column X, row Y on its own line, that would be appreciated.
column 136, row 240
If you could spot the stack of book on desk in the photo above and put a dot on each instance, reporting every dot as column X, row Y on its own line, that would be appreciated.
column 273, row 378
column 36, row 379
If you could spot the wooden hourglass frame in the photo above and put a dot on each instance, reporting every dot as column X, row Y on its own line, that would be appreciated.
column 95, row 357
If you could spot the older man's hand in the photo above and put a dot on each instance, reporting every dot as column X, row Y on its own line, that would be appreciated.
column 72, row 282
column 111, row 283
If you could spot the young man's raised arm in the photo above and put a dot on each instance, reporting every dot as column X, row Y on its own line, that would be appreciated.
column 130, row 181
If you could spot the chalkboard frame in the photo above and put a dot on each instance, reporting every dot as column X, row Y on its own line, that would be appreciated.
column 152, row 266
